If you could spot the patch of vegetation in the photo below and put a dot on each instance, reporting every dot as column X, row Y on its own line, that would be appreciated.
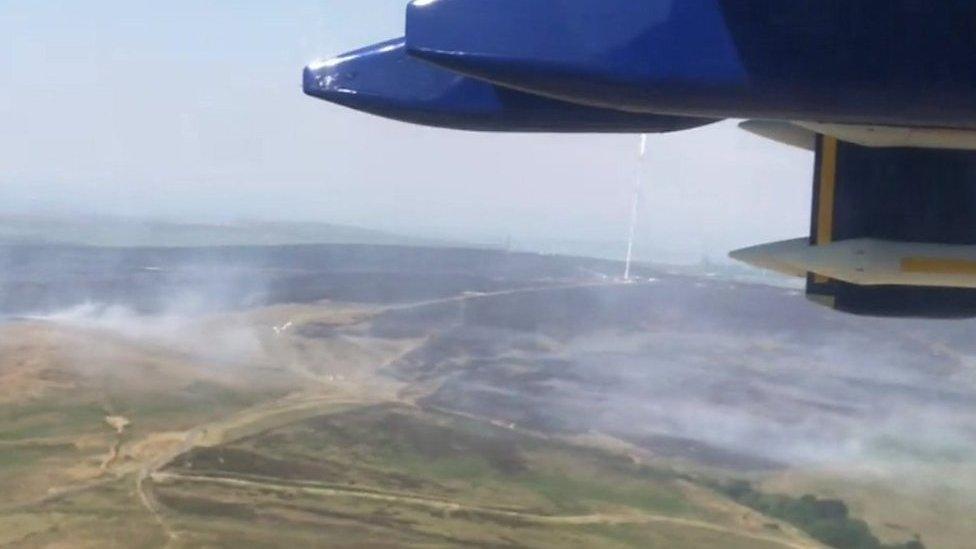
column 394, row 448
column 30, row 454
column 243, row 462
column 50, row 419
column 206, row 506
column 106, row 515
column 574, row 491
column 826, row 520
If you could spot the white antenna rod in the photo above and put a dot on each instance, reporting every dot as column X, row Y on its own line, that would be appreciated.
column 635, row 209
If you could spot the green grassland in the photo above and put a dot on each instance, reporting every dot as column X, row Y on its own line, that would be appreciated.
column 107, row 515
column 56, row 441
column 398, row 449
column 392, row 475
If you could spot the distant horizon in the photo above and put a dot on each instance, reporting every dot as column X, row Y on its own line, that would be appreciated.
column 582, row 247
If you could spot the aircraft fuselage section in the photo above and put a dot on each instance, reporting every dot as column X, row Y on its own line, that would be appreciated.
column 885, row 62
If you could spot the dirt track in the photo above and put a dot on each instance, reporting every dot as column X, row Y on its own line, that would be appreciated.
column 289, row 409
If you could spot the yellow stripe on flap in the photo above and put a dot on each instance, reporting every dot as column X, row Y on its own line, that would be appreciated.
column 827, row 188
column 932, row 265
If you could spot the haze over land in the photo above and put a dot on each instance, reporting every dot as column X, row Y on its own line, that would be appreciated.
column 432, row 395
column 121, row 232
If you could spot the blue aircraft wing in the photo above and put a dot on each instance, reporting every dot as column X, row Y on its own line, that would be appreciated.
column 385, row 81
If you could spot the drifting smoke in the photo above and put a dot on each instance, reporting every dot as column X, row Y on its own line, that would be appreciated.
column 183, row 300
column 741, row 371
column 218, row 339
column 751, row 375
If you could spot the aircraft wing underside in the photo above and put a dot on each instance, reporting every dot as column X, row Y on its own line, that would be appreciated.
column 882, row 90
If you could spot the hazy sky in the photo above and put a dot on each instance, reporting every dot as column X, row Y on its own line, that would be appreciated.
column 193, row 110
